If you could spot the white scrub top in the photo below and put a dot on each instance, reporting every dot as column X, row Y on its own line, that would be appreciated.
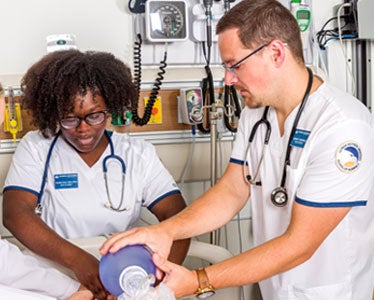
column 331, row 166
column 11, row 293
column 75, row 195
column 24, row 277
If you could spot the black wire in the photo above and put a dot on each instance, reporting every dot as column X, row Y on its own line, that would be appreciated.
column 324, row 35
column 137, row 80
column 321, row 34
column 328, row 21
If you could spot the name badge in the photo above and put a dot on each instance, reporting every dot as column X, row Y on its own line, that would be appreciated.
column 299, row 138
column 66, row 181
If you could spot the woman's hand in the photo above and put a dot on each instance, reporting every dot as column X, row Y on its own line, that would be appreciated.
column 86, row 269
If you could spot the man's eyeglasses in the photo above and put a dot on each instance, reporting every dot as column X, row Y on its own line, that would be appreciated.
column 92, row 119
column 232, row 68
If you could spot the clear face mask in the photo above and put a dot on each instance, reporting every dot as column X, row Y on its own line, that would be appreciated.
column 136, row 284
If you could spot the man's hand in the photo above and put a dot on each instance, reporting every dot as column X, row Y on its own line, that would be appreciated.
column 152, row 236
column 180, row 280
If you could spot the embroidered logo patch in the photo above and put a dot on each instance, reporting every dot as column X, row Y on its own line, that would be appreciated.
column 348, row 156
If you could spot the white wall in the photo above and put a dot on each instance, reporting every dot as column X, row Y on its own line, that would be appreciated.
column 98, row 24
column 101, row 25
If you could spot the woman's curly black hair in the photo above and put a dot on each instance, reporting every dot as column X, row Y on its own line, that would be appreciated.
column 51, row 84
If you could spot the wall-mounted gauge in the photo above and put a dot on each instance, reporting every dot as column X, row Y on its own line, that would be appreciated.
column 166, row 21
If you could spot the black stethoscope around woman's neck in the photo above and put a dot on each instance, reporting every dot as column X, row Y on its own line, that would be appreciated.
column 279, row 196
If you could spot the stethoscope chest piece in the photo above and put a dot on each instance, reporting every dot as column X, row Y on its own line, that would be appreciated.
column 279, row 196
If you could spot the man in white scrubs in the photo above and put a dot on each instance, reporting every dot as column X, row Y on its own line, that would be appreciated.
column 311, row 188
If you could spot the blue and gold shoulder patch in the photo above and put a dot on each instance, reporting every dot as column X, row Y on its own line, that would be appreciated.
column 348, row 156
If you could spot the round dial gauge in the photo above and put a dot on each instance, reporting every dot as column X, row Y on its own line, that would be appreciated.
column 167, row 20
column 171, row 20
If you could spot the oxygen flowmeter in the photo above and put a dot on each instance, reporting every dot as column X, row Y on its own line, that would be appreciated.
column 13, row 120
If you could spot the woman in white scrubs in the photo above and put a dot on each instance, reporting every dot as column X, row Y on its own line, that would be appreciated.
column 23, row 277
column 56, row 183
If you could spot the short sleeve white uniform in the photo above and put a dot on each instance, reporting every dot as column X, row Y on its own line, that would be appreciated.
column 24, row 277
column 77, row 210
column 332, row 165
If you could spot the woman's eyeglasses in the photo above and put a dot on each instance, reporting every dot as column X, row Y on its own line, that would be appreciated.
column 92, row 119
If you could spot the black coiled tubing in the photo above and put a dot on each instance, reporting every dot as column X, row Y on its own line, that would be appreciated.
column 137, row 64
column 137, row 80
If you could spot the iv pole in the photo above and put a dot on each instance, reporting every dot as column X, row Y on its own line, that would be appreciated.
column 214, row 113
column 214, row 116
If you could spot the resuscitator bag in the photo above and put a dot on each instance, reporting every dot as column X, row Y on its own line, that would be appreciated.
column 130, row 275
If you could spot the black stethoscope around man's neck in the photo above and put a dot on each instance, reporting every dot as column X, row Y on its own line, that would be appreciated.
column 279, row 196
